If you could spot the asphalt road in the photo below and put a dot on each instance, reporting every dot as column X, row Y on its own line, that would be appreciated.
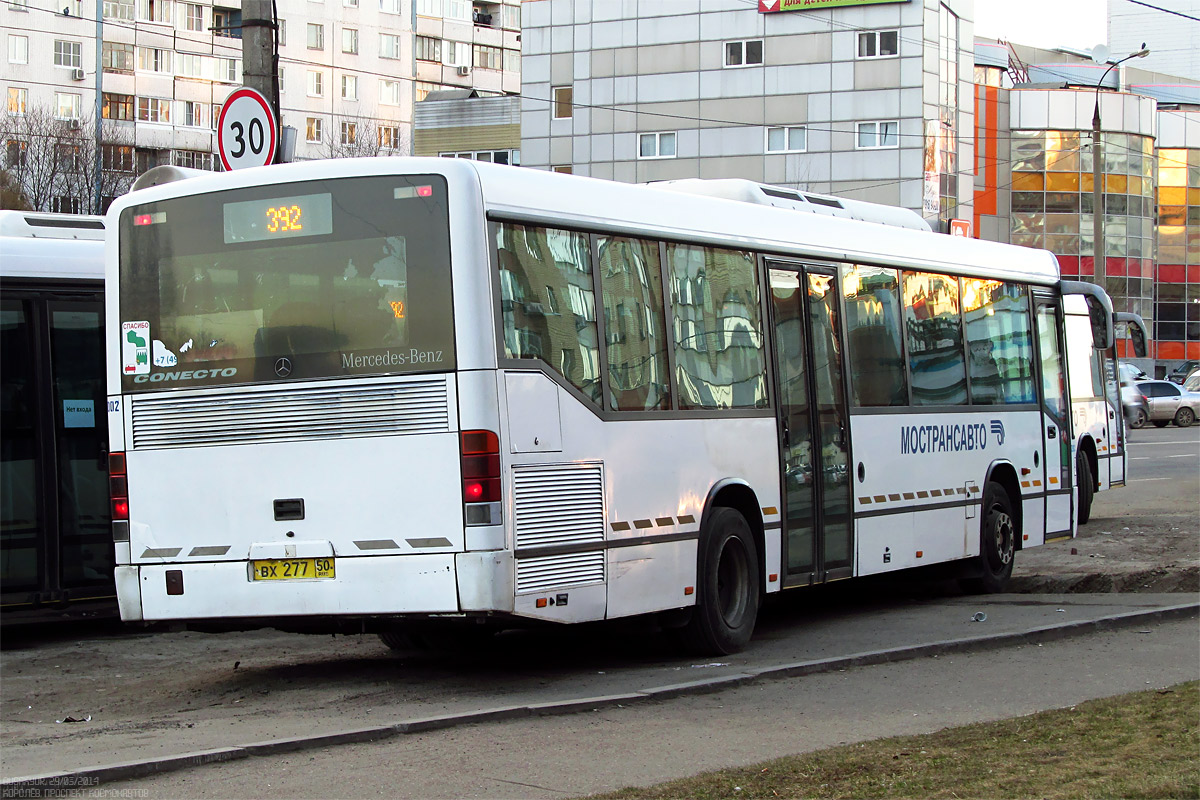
column 567, row 756
column 1169, row 456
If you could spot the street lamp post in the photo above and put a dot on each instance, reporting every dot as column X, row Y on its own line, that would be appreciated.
column 1098, row 263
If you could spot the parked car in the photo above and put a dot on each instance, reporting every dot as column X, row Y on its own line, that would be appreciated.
column 1134, row 404
column 1131, row 373
column 1170, row 403
column 1192, row 382
column 1181, row 372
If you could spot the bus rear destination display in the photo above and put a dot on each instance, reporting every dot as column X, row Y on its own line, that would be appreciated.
column 278, row 218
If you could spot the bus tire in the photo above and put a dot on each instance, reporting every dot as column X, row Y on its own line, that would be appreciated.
column 727, row 591
column 997, row 543
column 1087, row 486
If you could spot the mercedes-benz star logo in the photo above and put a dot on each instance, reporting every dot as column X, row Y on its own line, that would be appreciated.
column 283, row 367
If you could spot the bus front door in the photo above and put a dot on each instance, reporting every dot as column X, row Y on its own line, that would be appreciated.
column 813, row 424
column 1056, row 432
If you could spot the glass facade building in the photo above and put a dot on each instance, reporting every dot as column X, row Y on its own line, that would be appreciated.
column 1177, row 317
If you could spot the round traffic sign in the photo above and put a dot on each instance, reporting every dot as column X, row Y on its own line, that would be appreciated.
column 246, row 133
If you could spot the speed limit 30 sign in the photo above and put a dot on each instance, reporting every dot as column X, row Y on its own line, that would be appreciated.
column 246, row 134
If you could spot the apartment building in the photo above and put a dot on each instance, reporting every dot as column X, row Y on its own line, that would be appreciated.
column 157, row 74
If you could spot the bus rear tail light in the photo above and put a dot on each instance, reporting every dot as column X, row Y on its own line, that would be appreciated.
column 118, row 487
column 480, row 459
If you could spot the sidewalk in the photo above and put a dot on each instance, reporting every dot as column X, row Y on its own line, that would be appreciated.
column 161, row 701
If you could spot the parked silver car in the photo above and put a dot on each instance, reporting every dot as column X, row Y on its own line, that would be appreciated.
column 1170, row 403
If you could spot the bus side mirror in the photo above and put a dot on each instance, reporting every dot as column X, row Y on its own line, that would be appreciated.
column 1137, row 331
column 1102, row 323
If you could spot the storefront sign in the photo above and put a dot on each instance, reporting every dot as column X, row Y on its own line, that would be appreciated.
column 772, row 6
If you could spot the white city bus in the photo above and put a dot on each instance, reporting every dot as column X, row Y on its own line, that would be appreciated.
column 56, row 552
column 1101, row 455
column 371, row 394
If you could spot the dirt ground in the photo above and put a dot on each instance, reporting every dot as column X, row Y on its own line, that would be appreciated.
column 1144, row 539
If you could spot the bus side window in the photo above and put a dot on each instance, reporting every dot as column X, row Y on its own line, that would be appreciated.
column 999, row 348
column 876, row 362
column 537, row 267
column 631, row 289
column 935, row 339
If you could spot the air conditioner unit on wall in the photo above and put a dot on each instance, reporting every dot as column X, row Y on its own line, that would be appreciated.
column 464, row 71
column 77, row 74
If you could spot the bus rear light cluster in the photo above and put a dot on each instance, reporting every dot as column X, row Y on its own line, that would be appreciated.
column 480, row 459
column 118, row 486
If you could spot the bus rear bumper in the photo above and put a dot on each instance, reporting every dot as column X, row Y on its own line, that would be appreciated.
column 371, row 585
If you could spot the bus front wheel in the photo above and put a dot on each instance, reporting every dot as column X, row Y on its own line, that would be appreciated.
column 1087, row 486
column 997, row 543
column 728, row 591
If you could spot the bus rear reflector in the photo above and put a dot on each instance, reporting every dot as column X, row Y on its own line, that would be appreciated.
column 118, row 486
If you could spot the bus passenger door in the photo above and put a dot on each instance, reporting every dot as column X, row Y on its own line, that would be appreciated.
column 813, row 425
column 1056, row 433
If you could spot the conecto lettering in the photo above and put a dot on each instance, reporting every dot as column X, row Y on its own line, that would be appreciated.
column 186, row 375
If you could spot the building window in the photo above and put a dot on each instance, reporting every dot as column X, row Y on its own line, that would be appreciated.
column 227, row 22
column 189, row 65
column 67, row 158
column 792, row 139
column 118, row 9
column 350, row 3
column 488, row 57
column 389, row 93
column 316, row 83
column 193, row 115
column 744, row 54
column 656, row 145
column 512, row 157
column 152, row 109
column 18, row 101
column 564, row 101
column 66, row 105
column 875, row 135
column 116, row 158
column 389, row 137
column 313, row 129
column 428, row 48
column 193, row 159
column 117, row 106
column 63, row 204
column 349, row 87
column 68, row 54
column 512, row 60
column 154, row 10
column 117, row 57
column 510, row 18
column 193, row 16
column 350, row 41
column 154, row 59
column 458, row 9
column 349, row 132
column 456, row 54
column 878, row 44
column 17, row 153
column 389, row 6
column 18, row 49
column 389, row 45
column 231, row 69
column 563, row 169
column 421, row 90
column 429, row 8
column 316, row 36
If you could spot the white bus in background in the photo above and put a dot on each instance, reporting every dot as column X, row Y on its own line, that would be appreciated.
column 56, row 552
column 403, row 394
column 1101, row 454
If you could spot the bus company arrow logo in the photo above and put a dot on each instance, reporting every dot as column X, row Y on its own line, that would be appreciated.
column 998, row 429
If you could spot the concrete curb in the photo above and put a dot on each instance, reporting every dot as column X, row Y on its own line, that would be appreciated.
column 56, row 783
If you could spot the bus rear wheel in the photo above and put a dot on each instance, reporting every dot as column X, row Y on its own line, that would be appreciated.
column 997, row 543
column 728, row 591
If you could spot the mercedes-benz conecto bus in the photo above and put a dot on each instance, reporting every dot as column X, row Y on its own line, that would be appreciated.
column 56, row 550
column 374, row 394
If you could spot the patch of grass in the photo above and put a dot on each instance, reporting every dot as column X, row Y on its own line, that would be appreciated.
column 1141, row 745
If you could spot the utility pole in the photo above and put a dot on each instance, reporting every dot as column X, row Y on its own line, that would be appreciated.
column 260, row 69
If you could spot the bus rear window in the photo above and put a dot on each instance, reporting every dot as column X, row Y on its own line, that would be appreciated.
column 320, row 279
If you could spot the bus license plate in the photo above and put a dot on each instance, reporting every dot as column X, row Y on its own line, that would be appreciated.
column 287, row 569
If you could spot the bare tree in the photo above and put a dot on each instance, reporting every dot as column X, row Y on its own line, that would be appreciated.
column 53, row 161
column 11, row 196
column 363, row 136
